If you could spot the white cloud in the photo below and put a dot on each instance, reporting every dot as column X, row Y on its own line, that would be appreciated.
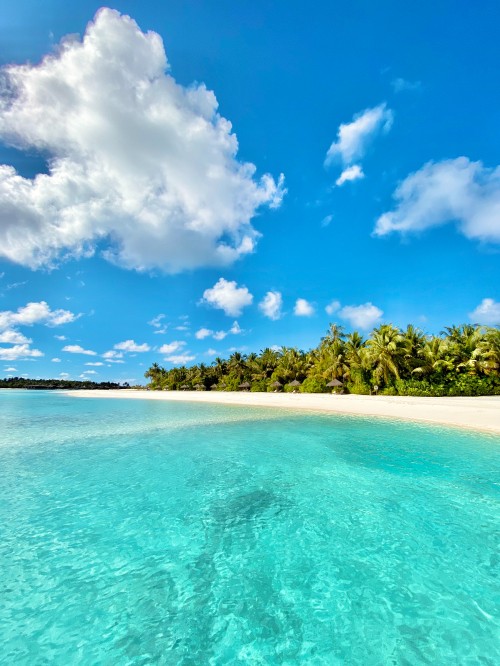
column 203, row 333
column 487, row 312
column 88, row 372
column 361, row 316
column 354, row 172
column 109, row 355
column 63, row 375
column 353, row 138
column 220, row 335
column 271, row 305
column 10, row 369
column 35, row 313
column 132, row 346
column 96, row 364
column 56, row 360
column 180, row 359
column 303, row 308
column 458, row 190
column 76, row 349
column 332, row 307
column 60, row 337
column 18, row 352
column 227, row 296
column 211, row 352
column 10, row 336
column 136, row 161
column 182, row 328
column 172, row 347
column 156, row 322
column 325, row 222
column 235, row 329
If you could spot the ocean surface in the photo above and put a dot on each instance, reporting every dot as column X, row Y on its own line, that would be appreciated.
column 147, row 532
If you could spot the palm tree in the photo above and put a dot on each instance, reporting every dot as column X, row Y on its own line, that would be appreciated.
column 433, row 358
column 384, row 353
column 413, row 342
column 488, row 351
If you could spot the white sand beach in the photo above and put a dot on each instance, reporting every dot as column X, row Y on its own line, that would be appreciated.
column 478, row 413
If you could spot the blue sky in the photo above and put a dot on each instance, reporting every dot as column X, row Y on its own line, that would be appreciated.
column 283, row 162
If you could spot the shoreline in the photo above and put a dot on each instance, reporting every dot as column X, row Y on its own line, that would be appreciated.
column 481, row 413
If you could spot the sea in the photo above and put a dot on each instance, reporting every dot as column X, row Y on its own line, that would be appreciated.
column 150, row 532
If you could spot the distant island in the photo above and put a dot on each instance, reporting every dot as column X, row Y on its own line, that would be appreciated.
column 53, row 384
column 462, row 361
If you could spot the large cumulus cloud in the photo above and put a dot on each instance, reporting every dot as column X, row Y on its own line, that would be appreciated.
column 136, row 162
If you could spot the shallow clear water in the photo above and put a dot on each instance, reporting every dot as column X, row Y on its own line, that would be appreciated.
column 141, row 532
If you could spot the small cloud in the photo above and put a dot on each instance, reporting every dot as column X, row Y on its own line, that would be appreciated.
column 96, row 364
column 271, row 305
column 112, row 355
column 56, row 360
column 10, row 336
column 354, row 172
column 220, row 335
column 156, row 321
column 235, row 329
column 9, row 369
column 361, row 316
column 63, row 375
column 60, row 337
column 325, row 222
column 487, row 313
column 36, row 313
column 88, row 372
column 76, row 349
column 401, row 85
column 211, row 352
column 183, row 327
column 18, row 353
column 227, row 296
column 180, row 359
column 203, row 333
column 132, row 346
column 303, row 308
column 353, row 138
column 172, row 347
column 332, row 307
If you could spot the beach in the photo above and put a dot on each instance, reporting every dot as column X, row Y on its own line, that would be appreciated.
column 476, row 413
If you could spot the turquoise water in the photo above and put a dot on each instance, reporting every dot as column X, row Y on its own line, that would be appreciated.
column 140, row 532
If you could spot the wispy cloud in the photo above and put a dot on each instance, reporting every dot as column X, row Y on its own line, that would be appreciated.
column 452, row 191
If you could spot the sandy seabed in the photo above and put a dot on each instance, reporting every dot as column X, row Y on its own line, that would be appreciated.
column 478, row 413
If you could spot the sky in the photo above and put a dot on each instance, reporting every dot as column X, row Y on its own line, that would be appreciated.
column 181, row 180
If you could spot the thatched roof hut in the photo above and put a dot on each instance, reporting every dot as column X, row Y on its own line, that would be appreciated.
column 335, row 383
column 245, row 386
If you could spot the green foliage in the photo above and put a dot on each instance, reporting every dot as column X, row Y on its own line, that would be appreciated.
column 260, row 386
column 312, row 385
column 51, row 384
column 463, row 360
column 358, row 387
column 388, row 390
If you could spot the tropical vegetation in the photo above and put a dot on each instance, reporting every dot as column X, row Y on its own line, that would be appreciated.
column 462, row 360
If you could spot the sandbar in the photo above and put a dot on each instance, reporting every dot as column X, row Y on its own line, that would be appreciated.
column 477, row 413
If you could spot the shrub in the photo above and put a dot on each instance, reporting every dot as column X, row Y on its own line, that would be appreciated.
column 311, row 385
column 359, row 387
column 259, row 387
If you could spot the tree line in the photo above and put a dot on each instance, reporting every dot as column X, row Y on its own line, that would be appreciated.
column 51, row 384
column 462, row 360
